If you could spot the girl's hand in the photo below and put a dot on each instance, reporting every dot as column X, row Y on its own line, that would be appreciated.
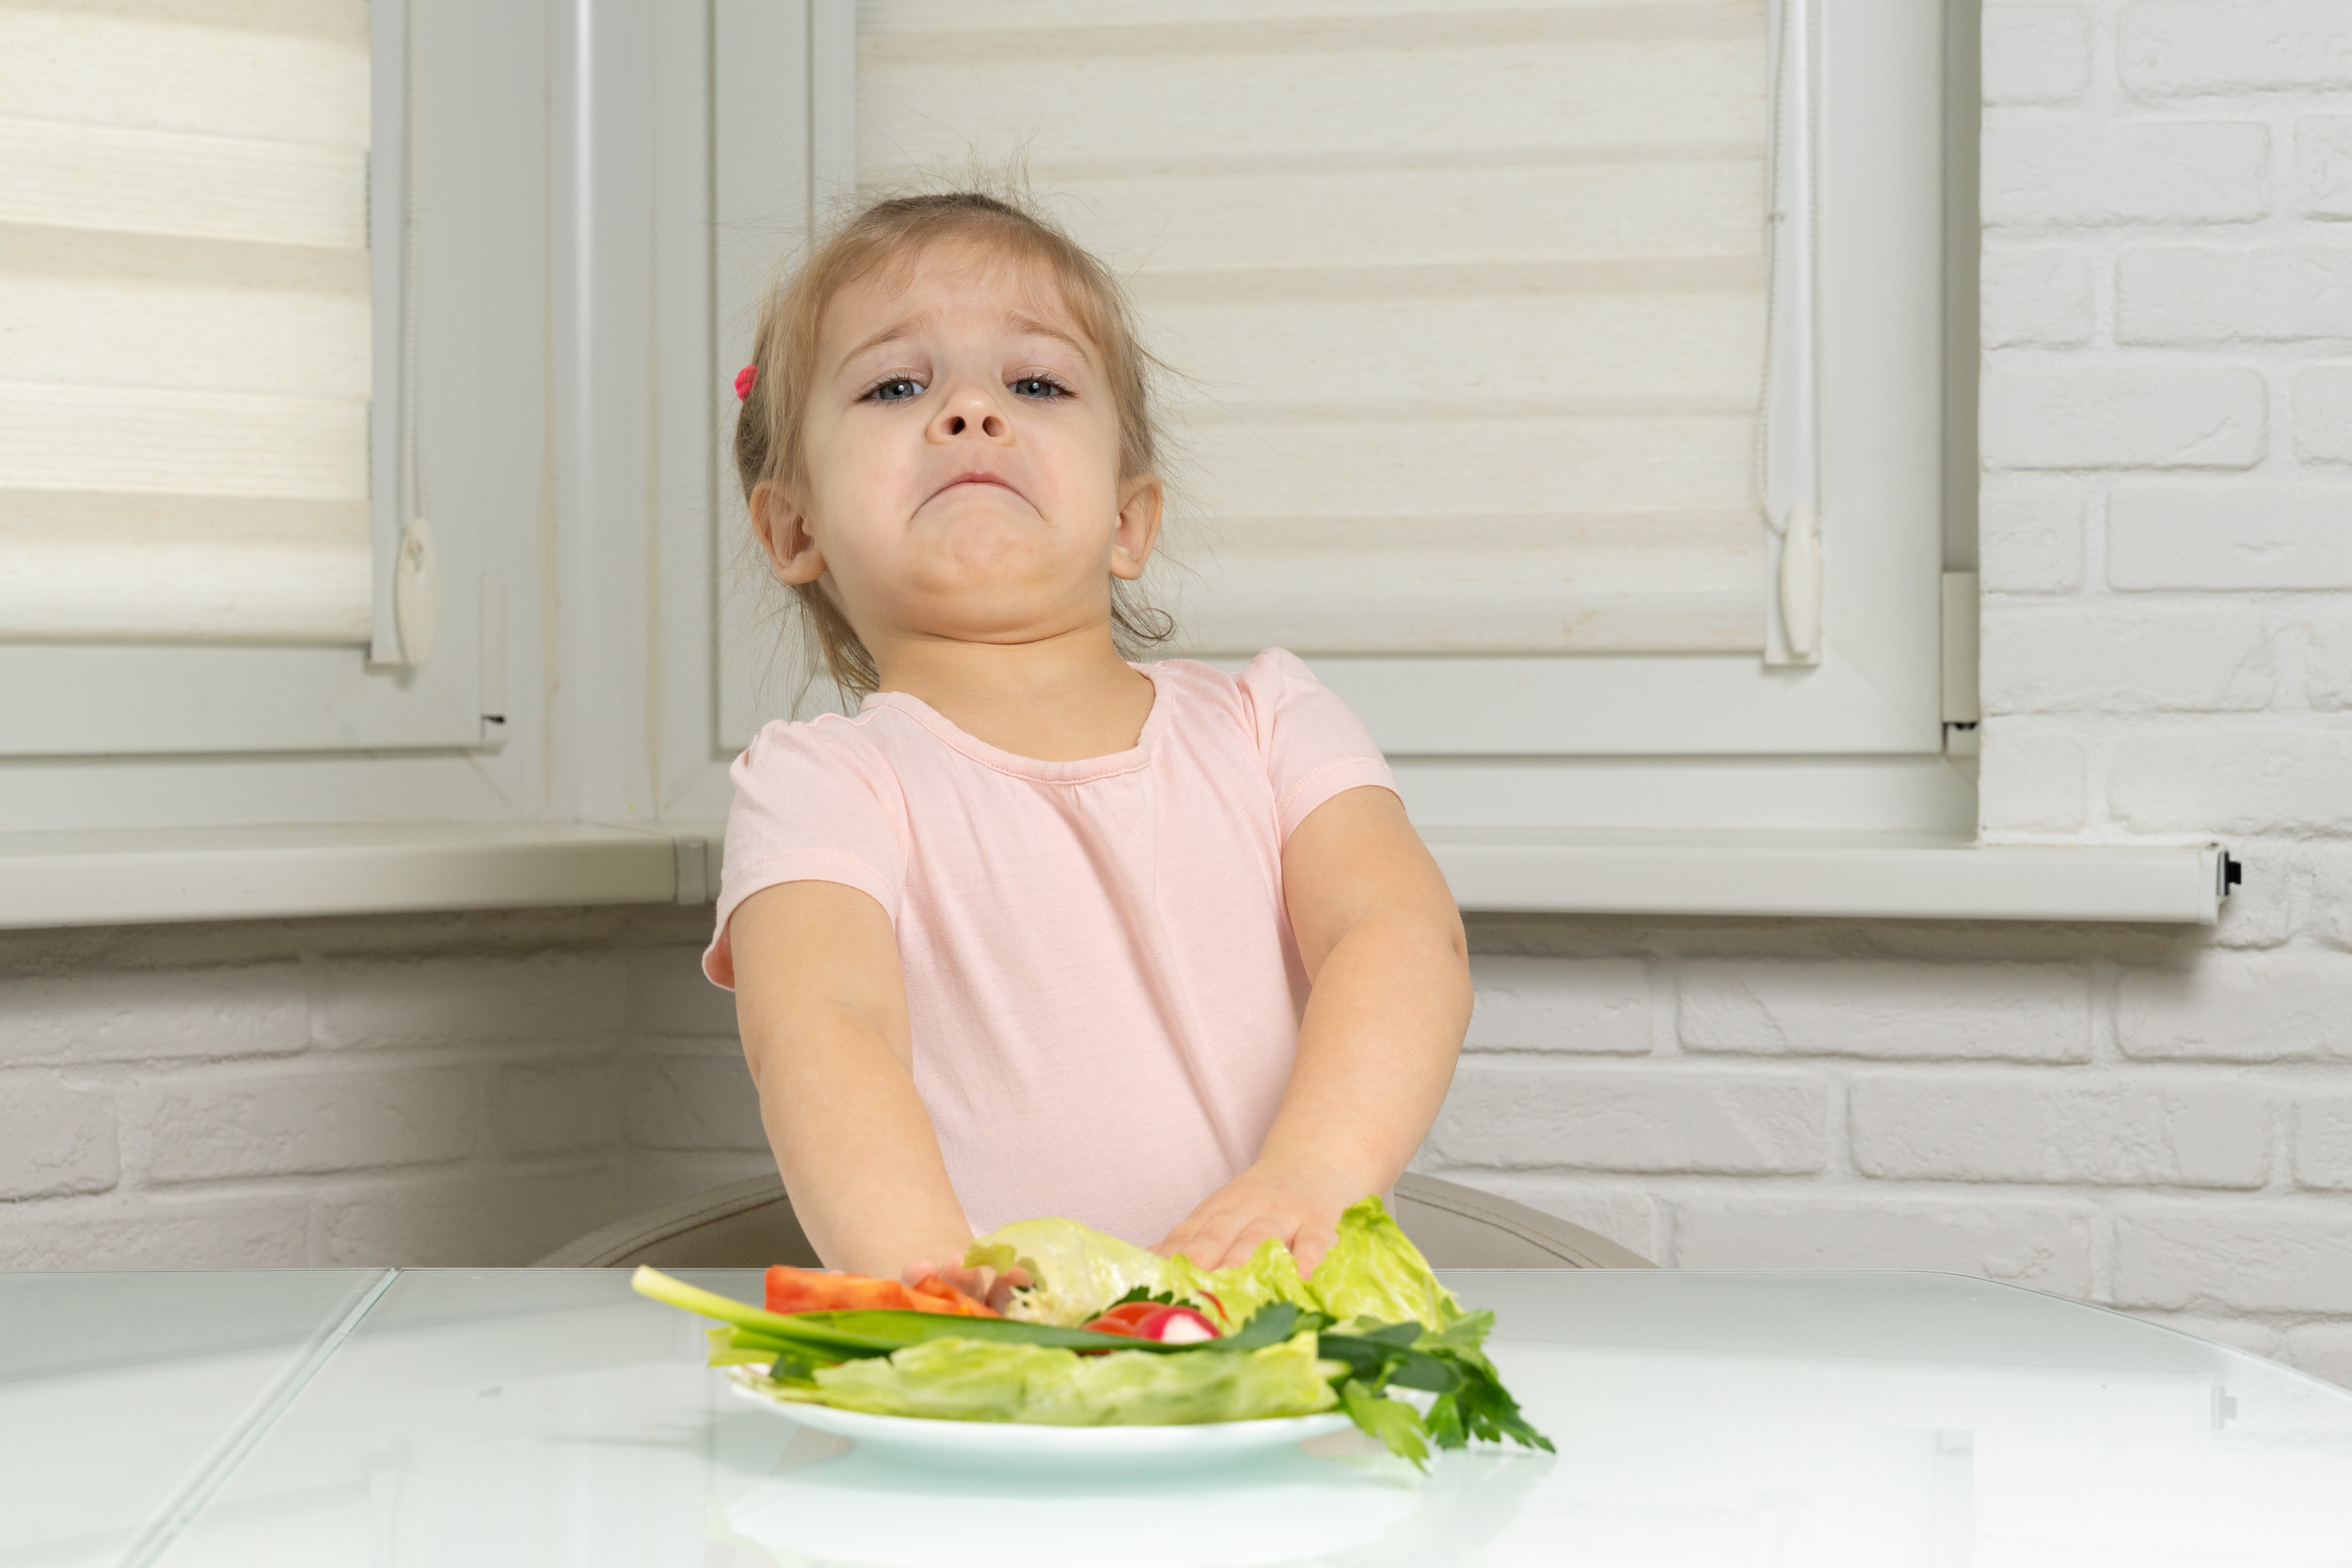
column 984, row 1285
column 1296, row 1206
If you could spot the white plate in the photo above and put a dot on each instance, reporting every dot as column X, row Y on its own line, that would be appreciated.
column 1019, row 1446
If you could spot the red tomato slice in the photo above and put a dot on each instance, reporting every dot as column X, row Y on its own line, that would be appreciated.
column 791, row 1290
column 1127, row 1318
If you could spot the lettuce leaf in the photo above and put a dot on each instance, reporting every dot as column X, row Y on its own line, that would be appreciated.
column 971, row 1380
column 1375, row 1271
column 1271, row 1275
column 1074, row 1272
column 1372, row 1270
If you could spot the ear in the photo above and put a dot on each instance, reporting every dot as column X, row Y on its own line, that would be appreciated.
column 1138, row 528
column 784, row 532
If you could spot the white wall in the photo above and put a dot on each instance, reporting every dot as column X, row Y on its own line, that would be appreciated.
column 454, row 1089
column 2167, row 548
column 2159, row 1119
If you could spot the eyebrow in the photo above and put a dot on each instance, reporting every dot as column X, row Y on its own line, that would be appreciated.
column 906, row 325
column 900, row 328
column 1042, row 329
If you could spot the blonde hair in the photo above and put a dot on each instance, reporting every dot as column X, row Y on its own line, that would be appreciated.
column 890, row 234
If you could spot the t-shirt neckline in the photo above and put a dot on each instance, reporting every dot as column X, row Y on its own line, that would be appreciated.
column 1077, row 771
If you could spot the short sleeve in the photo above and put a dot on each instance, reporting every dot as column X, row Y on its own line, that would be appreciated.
column 812, row 805
column 1313, row 744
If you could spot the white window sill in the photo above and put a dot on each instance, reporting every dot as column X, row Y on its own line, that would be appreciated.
column 1850, row 876
column 103, row 878
column 147, row 876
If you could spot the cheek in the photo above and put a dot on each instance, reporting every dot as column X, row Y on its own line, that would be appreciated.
column 853, row 475
column 1085, row 466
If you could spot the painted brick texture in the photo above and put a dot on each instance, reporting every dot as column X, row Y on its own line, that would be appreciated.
column 1518, row 1115
column 2019, row 1012
column 358, row 1092
column 2167, row 561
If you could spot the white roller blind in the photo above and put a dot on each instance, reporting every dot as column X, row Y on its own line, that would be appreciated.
column 185, row 320
column 1472, row 299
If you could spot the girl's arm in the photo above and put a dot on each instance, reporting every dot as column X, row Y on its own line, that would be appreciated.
column 822, row 1004
column 1390, row 967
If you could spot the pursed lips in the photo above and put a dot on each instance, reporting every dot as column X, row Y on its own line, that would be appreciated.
column 974, row 477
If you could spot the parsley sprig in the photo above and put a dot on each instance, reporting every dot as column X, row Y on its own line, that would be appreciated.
column 1450, row 1362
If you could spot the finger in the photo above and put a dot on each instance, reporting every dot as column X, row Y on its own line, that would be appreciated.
column 1186, row 1237
column 1244, row 1240
column 1313, row 1243
column 1187, row 1231
column 916, row 1272
column 1000, row 1294
column 1213, row 1244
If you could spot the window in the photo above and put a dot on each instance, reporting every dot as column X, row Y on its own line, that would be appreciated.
column 1475, row 306
column 1479, row 377
column 209, row 469
column 186, row 419
column 532, row 364
column 569, row 213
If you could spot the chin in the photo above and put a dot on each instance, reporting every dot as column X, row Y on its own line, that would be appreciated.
column 1001, row 618
column 992, row 564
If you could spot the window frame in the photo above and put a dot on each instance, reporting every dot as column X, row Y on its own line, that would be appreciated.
column 60, row 700
column 1647, row 740
column 1879, row 334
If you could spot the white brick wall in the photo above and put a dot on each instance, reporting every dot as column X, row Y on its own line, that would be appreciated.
column 2153, row 1118
column 467, row 1089
column 2135, row 1117
column 2167, row 568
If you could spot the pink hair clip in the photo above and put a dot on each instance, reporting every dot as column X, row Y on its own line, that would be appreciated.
column 743, row 379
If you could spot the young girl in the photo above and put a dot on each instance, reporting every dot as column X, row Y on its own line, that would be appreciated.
column 1039, row 931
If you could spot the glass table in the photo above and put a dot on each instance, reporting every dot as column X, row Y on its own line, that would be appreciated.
column 523, row 1416
column 123, row 1395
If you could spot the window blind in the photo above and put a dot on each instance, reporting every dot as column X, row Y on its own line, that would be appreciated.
column 1469, row 302
column 185, row 357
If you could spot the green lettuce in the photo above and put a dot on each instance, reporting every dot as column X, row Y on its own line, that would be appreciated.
column 972, row 1380
column 1372, row 1270
column 1271, row 1275
column 1375, row 1271
column 1074, row 1272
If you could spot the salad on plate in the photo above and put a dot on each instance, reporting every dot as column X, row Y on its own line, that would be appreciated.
column 1107, row 1333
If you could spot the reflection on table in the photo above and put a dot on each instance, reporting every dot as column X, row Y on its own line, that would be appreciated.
column 521, row 1416
column 121, row 1393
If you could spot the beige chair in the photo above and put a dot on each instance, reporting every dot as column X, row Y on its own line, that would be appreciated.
column 749, row 1225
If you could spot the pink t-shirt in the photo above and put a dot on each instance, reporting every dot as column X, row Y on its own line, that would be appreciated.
column 1102, row 986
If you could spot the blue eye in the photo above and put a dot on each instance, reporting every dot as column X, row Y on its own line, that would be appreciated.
column 899, row 389
column 1039, row 386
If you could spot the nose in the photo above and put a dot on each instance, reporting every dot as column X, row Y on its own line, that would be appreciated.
column 969, row 410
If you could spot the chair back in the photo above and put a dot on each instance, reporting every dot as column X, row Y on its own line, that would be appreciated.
column 1461, row 1227
column 743, row 1225
column 749, row 1225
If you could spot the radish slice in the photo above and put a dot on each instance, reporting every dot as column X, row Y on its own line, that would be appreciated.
column 1176, row 1325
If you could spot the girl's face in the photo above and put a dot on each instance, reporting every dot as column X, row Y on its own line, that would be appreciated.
column 961, row 461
